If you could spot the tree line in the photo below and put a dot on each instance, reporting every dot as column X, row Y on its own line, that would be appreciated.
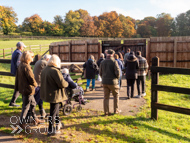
column 109, row 24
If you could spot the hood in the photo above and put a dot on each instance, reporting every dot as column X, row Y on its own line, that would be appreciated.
column 65, row 75
column 131, row 57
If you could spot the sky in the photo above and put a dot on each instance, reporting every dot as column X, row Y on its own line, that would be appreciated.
column 137, row 9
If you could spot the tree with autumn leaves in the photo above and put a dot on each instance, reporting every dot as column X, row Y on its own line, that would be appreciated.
column 109, row 24
column 8, row 18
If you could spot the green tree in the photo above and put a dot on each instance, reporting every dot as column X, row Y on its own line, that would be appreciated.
column 163, row 24
column 8, row 18
column 128, row 26
column 111, row 24
column 73, row 23
column 33, row 24
column 87, row 28
column 147, row 27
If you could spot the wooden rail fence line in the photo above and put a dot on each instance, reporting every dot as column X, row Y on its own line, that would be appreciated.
column 155, row 69
column 7, row 61
column 11, row 50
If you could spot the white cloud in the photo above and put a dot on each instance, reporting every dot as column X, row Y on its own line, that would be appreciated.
column 173, row 7
column 134, row 13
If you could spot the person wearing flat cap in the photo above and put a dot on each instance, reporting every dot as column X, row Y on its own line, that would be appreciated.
column 110, row 73
column 15, row 61
column 131, row 66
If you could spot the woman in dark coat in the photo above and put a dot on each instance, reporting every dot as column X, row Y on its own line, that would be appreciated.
column 91, row 68
column 53, row 91
column 131, row 66
column 25, row 84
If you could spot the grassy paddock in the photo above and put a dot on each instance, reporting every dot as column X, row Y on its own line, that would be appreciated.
column 12, row 44
column 90, row 126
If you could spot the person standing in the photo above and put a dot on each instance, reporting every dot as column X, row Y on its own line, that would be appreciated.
column 120, row 64
column 142, row 71
column 15, row 61
column 110, row 73
column 91, row 68
column 25, row 84
column 98, row 63
column 38, row 67
column 131, row 66
column 52, row 91
column 127, row 54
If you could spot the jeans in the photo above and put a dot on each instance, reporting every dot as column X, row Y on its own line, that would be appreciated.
column 28, row 103
column 54, row 116
column 130, row 87
column 88, row 83
column 141, row 79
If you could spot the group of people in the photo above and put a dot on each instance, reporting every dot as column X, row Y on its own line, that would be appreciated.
column 44, row 83
column 110, row 71
column 47, row 83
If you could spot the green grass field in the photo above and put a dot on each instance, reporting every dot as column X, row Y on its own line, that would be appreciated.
column 90, row 126
column 12, row 44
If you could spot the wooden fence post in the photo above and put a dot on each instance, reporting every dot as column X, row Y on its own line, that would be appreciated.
column 3, row 53
column 86, row 51
column 175, row 53
column 11, row 50
column 154, row 93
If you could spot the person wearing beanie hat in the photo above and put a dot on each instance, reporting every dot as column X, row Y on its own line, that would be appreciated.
column 15, row 61
column 131, row 66
column 110, row 73
column 91, row 69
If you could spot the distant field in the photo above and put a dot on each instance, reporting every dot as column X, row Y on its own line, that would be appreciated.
column 12, row 44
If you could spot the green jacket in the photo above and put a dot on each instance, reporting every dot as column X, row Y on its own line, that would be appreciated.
column 25, row 82
column 52, row 85
column 109, row 71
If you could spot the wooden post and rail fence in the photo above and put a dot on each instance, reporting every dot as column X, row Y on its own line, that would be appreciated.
column 7, row 52
column 8, row 61
column 155, row 87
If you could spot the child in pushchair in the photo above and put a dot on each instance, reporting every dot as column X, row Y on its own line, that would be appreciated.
column 73, row 91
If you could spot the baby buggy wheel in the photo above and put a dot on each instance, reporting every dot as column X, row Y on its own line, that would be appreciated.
column 79, row 108
column 67, row 109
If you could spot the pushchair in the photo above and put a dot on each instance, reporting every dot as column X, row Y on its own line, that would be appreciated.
column 76, row 95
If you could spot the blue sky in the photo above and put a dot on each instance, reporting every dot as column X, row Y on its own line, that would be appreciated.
column 137, row 9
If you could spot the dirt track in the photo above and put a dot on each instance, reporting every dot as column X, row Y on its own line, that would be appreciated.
column 128, row 106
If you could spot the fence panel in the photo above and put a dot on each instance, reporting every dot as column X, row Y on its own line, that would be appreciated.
column 76, row 51
column 172, row 51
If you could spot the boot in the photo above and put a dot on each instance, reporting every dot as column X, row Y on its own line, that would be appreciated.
column 43, row 113
column 87, row 89
column 93, row 88
column 38, row 121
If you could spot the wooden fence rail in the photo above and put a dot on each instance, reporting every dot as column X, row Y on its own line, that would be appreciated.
column 10, row 50
column 155, row 69
column 7, row 61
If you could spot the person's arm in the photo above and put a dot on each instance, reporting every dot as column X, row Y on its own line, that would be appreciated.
column 60, row 81
column 18, row 60
column 30, row 76
column 116, row 69
column 100, row 70
column 72, row 84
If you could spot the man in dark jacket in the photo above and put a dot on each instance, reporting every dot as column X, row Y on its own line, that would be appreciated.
column 91, row 68
column 110, row 73
column 15, row 61
column 98, row 63
column 131, row 66
column 38, row 67
column 52, row 91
